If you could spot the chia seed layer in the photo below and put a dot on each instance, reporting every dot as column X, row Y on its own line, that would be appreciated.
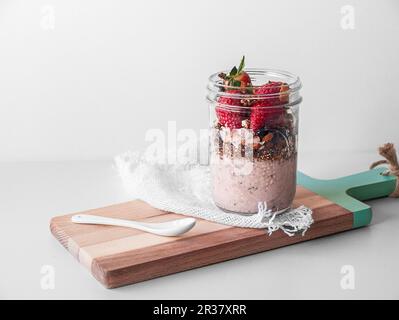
column 248, row 168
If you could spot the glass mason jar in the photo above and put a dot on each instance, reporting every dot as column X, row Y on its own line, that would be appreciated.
column 253, row 150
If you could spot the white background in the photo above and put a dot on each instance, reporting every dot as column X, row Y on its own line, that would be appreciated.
column 89, row 87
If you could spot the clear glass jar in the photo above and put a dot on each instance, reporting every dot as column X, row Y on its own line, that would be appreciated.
column 253, row 150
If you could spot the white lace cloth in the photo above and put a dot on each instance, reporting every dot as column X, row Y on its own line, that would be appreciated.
column 185, row 189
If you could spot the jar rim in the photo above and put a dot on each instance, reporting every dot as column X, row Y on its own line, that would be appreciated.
column 216, row 85
column 259, row 76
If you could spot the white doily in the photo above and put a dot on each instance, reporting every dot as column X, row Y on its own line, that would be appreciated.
column 185, row 189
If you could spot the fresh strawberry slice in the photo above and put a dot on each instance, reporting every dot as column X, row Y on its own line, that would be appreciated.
column 276, row 89
column 262, row 113
column 266, row 109
column 244, row 79
column 236, row 82
column 238, row 78
column 227, row 117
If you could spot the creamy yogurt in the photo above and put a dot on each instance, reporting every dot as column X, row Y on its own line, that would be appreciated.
column 240, row 190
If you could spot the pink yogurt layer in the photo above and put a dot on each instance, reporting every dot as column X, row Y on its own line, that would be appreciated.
column 240, row 184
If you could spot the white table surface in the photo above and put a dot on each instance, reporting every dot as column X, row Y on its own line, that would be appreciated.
column 31, row 193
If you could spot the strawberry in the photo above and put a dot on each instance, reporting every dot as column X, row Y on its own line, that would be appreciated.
column 241, row 82
column 227, row 117
column 244, row 79
column 273, row 88
column 263, row 110
column 238, row 78
column 262, row 114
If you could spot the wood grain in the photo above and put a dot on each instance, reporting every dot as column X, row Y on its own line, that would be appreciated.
column 119, row 256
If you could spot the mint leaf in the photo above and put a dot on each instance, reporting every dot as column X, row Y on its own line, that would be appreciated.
column 236, row 83
column 233, row 72
column 242, row 64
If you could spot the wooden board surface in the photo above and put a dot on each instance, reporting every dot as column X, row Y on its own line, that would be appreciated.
column 118, row 256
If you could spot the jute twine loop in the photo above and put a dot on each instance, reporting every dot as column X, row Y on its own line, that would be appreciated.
column 389, row 153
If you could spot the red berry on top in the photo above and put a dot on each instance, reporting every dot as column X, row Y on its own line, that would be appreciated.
column 266, row 109
column 229, row 117
column 276, row 89
column 262, row 114
column 229, row 100
column 236, row 82
column 244, row 79
column 238, row 78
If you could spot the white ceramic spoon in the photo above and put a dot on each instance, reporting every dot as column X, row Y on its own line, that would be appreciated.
column 170, row 228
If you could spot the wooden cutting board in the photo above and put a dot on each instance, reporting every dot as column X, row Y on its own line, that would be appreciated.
column 118, row 256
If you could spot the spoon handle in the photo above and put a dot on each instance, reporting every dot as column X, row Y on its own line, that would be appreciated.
column 89, row 219
column 170, row 228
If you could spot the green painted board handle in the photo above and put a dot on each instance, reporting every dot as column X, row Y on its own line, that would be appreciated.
column 349, row 191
